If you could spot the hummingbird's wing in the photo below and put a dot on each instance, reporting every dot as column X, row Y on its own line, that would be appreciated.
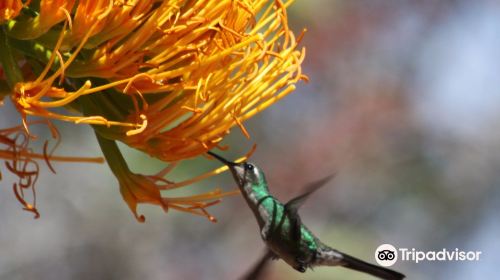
column 295, row 203
column 292, row 206
column 257, row 272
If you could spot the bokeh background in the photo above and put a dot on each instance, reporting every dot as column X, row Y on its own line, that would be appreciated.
column 403, row 104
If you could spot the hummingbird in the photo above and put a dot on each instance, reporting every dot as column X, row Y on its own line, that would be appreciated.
column 282, row 230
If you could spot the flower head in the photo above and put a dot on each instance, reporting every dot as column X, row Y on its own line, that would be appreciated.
column 170, row 78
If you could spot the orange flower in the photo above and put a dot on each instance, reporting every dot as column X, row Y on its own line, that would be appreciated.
column 170, row 78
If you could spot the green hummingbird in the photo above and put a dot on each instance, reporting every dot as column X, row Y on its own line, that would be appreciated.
column 282, row 230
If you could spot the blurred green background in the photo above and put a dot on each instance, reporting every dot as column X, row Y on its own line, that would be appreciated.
column 403, row 104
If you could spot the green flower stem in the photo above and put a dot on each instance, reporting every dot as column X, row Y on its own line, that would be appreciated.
column 114, row 157
column 9, row 63
column 98, row 105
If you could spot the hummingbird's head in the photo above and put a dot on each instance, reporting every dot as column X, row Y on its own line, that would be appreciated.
column 245, row 174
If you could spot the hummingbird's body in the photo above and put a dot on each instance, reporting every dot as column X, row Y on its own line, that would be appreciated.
column 282, row 230
column 283, row 233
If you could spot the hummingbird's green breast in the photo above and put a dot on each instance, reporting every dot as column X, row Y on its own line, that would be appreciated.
column 280, row 225
column 285, row 235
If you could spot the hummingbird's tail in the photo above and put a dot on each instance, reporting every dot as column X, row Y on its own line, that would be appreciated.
column 329, row 256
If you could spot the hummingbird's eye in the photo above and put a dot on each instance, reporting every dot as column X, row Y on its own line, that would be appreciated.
column 249, row 166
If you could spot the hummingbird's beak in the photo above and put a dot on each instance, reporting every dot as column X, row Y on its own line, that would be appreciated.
column 223, row 160
column 236, row 169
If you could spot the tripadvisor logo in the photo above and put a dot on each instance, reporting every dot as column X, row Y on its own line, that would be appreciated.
column 387, row 255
